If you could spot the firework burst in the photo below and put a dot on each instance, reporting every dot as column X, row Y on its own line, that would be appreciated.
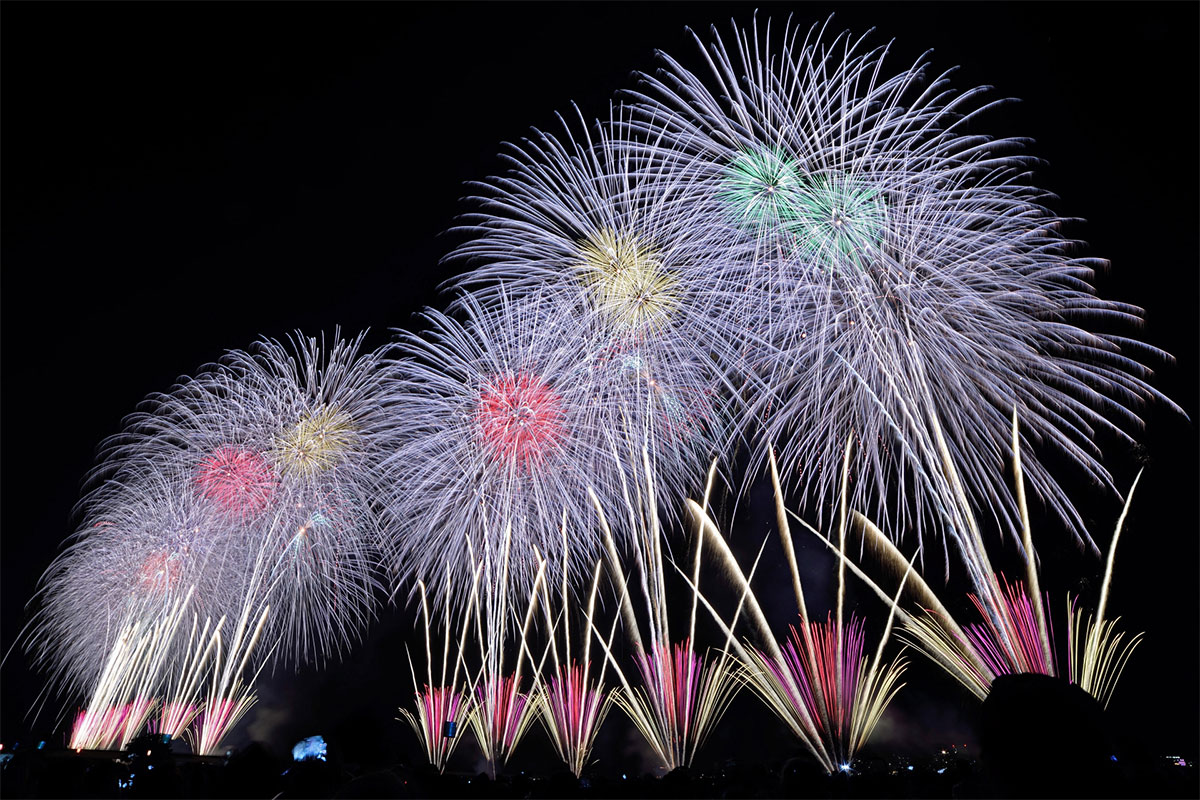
column 595, row 233
column 142, row 547
column 819, row 682
column 918, row 287
column 283, row 443
column 504, row 433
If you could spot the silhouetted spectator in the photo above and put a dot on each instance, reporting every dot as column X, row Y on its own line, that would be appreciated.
column 1043, row 737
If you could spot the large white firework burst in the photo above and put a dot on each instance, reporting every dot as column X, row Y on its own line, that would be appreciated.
column 920, row 289
column 601, row 237
column 283, row 445
column 506, row 433
column 142, row 546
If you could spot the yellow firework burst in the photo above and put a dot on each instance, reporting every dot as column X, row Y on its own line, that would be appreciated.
column 314, row 443
column 627, row 280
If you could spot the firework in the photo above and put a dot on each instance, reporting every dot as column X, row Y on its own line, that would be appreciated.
column 444, row 706
column 573, row 700
column 819, row 682
column 144, row 544
column 602, row 238
column 230, row 694
column 124, row 693
column 1016, row 634
column 246, row 487
column 504, row 433
column 919, row 288
column 683, row 694
column 283, row 445
column 502, row 713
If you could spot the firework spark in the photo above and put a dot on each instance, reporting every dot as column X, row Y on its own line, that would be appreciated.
column 240, row 481
column 520, row 420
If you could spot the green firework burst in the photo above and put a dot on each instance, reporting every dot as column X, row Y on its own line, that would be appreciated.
column 837, row 218
column 760, row 187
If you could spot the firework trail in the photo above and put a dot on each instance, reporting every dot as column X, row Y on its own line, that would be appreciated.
column 819, row 682
column 683, row 695
column 183, row 682
column 124, row 694
column 1016, row 634
column 229, row 695
column 919, row 288
column 502, row 714
column 573, row 700
column 444, row 706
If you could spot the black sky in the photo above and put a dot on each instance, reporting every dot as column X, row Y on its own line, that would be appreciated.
column 180, row 179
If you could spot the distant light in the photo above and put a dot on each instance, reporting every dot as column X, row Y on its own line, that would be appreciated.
column 845, row 767
column 910, row 767
column 448, row 728
column 624, row 777
column 940, row 771
column 1112, row 758
column 149, row 766
column 41, row 745
column 311, row 749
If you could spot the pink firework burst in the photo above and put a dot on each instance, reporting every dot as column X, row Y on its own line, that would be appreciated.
column 520, row 419
column 1008, row 640
column 159, row 572
column 239, row 480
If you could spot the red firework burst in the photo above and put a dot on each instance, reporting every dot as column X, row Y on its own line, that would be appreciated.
column 240, row 481
column 520, row 419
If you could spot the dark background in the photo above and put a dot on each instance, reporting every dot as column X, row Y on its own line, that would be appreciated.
column 179, row 179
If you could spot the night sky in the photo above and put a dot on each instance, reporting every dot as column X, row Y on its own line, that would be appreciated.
column 180, row 179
